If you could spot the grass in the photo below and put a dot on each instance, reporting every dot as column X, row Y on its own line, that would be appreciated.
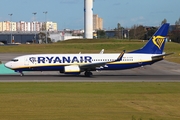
column 173, row 48
column 97, row 101
column 71, row 46
column 90, row 46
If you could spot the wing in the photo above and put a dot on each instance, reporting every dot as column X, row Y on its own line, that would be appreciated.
column 94, row 66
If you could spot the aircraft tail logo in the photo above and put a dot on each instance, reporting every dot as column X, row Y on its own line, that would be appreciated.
column 158, row 41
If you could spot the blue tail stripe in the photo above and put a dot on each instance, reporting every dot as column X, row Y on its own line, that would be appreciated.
column 156, row 43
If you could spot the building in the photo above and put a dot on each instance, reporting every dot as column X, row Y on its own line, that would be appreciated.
column 23, row 26
column 7, row 26
column 1, row 26
column 13, row 26
column 50, row 26
column 18, row 38
column 97, row 22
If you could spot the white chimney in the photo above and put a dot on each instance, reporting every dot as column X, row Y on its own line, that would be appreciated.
column 88, row 19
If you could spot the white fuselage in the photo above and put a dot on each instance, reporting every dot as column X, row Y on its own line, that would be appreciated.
column 56, row 62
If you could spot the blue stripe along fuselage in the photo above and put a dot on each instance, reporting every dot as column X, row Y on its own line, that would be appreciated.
column 61, row 68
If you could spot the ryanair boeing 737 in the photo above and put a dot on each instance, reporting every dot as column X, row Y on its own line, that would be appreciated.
column 77, row 63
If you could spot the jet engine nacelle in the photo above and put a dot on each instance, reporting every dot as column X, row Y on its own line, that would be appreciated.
column 72, row 69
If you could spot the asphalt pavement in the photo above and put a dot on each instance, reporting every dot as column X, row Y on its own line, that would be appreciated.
column 162, row 71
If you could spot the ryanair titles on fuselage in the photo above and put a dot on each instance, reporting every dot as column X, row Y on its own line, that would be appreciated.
column 61, row 59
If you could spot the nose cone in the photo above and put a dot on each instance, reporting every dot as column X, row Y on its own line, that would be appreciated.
column 8, row 65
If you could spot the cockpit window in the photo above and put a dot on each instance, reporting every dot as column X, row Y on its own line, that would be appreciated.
column 14, row 60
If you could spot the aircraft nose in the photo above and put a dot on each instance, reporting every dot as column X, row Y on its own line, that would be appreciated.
column 8, row 65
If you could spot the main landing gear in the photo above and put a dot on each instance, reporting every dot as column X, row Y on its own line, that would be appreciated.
column 88, row 73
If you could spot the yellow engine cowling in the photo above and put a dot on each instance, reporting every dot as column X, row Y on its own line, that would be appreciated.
column 72, row 69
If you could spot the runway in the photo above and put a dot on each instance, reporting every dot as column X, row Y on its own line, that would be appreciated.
column 162, row 71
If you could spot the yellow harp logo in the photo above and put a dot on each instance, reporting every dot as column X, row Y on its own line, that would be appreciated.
column 158, row 41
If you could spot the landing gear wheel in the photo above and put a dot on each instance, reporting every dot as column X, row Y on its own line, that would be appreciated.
column 88, row 74
column 21, row 73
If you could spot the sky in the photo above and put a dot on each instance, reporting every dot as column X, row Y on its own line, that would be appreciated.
column 69, row 14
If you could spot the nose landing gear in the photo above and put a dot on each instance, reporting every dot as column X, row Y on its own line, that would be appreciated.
column 21, row 73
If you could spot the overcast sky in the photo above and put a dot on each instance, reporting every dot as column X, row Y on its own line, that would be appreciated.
column 70, row 13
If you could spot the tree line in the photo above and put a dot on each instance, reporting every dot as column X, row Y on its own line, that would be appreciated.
column 142, row 32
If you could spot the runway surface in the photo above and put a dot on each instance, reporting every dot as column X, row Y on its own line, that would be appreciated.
column 162, row 71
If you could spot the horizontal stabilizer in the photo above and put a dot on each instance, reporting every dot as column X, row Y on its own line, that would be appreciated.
column 160, row 57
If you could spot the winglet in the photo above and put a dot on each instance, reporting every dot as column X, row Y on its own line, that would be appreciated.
column 102, row 51
column 120, row 56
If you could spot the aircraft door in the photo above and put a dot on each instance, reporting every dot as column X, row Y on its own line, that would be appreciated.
column 140, row 60
column 26, row 61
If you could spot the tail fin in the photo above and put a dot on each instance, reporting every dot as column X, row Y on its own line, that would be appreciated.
column 156, row 43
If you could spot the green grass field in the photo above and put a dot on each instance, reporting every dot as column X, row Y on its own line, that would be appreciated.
column 90, row 101
column 90, row 46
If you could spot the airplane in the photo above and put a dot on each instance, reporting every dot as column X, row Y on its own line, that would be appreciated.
column 77, row 63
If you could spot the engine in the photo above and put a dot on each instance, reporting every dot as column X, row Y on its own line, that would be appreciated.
column 74, row 69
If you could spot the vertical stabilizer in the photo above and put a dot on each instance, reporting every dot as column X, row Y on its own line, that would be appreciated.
column 156, row 43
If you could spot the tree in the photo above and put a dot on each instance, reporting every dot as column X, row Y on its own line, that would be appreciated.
column 101, row 34
column 177, row 22
column 175, row 32
column 137, row 32
column 150, row 32
column 42, row 36
column 140, row 32
column 164, row 21
column 118, row 31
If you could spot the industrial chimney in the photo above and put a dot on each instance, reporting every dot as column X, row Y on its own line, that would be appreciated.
column 88, row 19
